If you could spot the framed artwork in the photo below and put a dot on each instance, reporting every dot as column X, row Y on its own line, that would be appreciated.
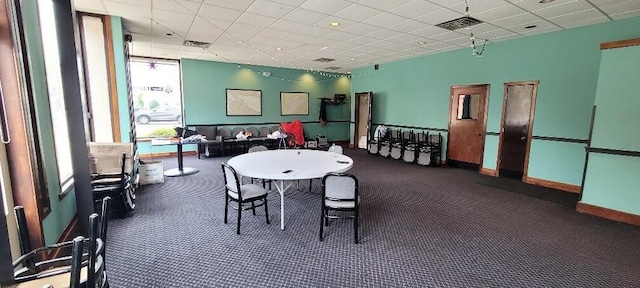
column 294, row 103
column 243, row 102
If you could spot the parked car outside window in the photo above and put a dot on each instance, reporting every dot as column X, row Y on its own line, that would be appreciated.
column 160, row 113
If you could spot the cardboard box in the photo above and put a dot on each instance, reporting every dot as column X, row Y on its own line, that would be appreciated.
column 106, row 158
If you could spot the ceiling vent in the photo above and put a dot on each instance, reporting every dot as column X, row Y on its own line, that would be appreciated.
column 190, row 43
column 333, row 68
column 324, row 60
column 459, row 23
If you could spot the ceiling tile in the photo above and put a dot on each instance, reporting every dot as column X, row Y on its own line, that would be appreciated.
column 218, row 23
column 170, row 21
column 498, row 13
column 428, row 31
column 294, row 3
column 363, row 40
column 357, row 12
column 622, row 15
column 476, row 7
column 408, row 26
column 203, row 31
column 277, row 34
column 497, row 33
column 540, row 25
column 326, row 6
column 235, row 4
column 439, row 16
column 127, row 10
column 405, row 38
column 288, row 26
column 383, row 34
column 216, row 12
column 415, row 9
column 515, row 20
column 385, row 5
column 256, row 20
column 540, row 30
column 268, row 8
column 304, row 16
column 187, row 7
column 244, row 29
column 341, row 36
column 584, row 22
column 139, row 3
column 360, row 29
column 316, row 31
column 90, row 5
column 384, row 20
column 564, row 9
column 302, row 38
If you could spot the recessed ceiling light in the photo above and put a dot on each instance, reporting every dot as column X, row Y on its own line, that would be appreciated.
column 353, row 59
column 531, row 26
column 335, row 24
column 348, row 72
column 279, row 49
column 170, row 34
column 545, row 1
column 422, row 42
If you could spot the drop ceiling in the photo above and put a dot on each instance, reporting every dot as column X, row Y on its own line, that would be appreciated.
column 292, row 33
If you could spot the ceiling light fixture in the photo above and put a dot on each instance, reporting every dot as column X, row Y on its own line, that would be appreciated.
column 422, row 42
column 279, row 49
column 335, row 24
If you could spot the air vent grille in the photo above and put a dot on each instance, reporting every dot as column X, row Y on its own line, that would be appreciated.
column 191, row 43
column 324, row 60
column 459, row 23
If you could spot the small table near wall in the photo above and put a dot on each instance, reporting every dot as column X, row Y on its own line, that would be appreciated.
column 181, row 170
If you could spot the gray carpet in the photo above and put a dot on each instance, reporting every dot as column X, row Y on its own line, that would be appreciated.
column 420, row 227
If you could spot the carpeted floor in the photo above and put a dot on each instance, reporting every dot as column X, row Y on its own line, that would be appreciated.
column 420, row 227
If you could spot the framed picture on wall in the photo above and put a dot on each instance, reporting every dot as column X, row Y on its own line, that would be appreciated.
column 243, row 102
column 294, row 103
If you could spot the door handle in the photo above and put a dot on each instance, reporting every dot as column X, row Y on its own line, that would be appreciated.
column 523, row 138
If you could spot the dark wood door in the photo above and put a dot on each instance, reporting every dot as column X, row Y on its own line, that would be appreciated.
column 363, row 119
column 516, row 128
column 467, row 125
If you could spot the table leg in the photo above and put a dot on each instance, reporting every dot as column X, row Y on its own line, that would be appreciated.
column 180, row 157
column 281, row 189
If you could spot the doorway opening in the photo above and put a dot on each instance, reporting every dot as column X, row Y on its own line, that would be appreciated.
column 516, row 129
column 363, row 119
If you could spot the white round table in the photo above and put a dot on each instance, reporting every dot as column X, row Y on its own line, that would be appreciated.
column 301, row 164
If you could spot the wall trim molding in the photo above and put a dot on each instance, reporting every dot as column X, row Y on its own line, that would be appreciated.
column 613, row 151
column 488, row 172
column 553, row 184
column 607, row 213
column 620, row 44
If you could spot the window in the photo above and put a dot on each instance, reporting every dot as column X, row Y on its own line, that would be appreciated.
column 56, row 95
column 156, row 96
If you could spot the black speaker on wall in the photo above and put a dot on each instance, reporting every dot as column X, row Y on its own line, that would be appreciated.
column 376, row 67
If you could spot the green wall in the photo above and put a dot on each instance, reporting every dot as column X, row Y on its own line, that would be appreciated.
column 204, row 84
column 415, row 92
column 61, row 210
column 612, row 180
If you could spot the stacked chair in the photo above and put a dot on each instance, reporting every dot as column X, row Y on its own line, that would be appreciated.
column 421, row 148
column 118, row 187
column 84, row 266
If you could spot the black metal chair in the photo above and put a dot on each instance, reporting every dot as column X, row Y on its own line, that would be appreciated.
column 263, row 132
column 435, row 143
column 260, row 148
column 117, row 187
column 340, row 193
column 410, row 151
column 208, row 148
column 228, row 138
column 386, row 143
column 396, row 144
column 79, row 269
column 424, row 149
column 241, row 194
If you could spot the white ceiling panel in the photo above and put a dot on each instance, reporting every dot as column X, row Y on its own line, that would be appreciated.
column 256, row 19
column 187, row 7
column 371, row 31
column 216, row 12
column 415, row 9
column 439, row 16
column 326, row 6
column 304, row 16
column 235, row 4
column 357, row 12
column 268, row 8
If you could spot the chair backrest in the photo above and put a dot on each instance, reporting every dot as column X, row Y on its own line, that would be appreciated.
column 225, row 132
column 236, row 130
column 435, row 139
column 207, row 131
column 258, row 148
column 340, row 187
column 264, row 131
column 275, row 128
column 231, row 180
column 253, row 130
column 336, row 149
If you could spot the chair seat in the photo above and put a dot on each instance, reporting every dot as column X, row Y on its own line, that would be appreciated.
column 340, row 204
column 249, row 191
column 59, row 280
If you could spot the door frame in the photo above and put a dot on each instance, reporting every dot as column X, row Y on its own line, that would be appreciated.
column 532, row 110
column 484, row 121
column 355, row 116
